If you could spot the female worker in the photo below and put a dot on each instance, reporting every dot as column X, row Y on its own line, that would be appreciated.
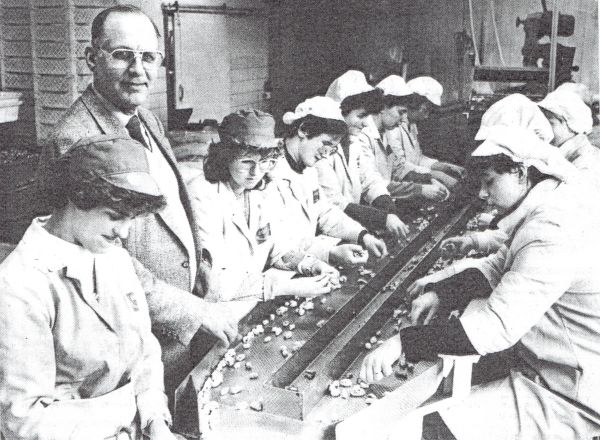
column 77, row 357
column 541, row 299
column 312, row 134
column 426, row 92
column 407, row 181
column 571, row 121
column 349, row 175
column 514, row 110
column 236, row 218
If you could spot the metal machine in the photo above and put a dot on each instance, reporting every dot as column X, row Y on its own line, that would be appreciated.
column 539, row 25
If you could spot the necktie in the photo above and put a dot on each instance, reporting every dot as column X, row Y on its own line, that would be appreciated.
column 134, row 127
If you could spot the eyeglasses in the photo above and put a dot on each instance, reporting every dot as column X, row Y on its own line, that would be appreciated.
column 263, row 165
column 124, row 57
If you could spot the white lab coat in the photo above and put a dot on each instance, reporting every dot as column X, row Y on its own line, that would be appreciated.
column 583, row 155
column 405, row 139
column 317, row 224
column 546, row 303
column 346, row 181
column 240, row 250
column 580, row 152
column 74, row 365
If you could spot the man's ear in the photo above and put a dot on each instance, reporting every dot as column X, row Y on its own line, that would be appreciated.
column 90, row 57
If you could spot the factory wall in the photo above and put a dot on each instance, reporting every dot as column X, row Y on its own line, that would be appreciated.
column 309, row 44
column 16, row 68
column 42, row 48
column 314, row 41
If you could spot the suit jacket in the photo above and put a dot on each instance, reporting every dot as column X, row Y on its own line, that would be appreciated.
column 154, row 241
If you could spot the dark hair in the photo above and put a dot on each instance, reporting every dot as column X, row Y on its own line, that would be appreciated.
column 87, row 190
column 221, row 154
column 314, row 126
column 100, row 19
column 371, row 101
column 502, row 164
column 411, row 102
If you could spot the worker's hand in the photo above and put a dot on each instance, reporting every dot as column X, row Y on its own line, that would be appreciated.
column 319, row 267
column 396, row 226
column 379, row 362
column 454, row 247
column 417, row 287
column 158, row 430
column 424, row 308
column 216, row 319
column 434, row 192
column 348, row 255
column 455, row 171
column 308, row 287
column 375, row 245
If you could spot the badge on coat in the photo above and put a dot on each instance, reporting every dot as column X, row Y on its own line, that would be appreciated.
column 263, row 233
column 316, row 195
column 131, row 297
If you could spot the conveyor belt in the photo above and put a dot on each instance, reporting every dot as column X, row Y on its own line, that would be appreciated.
column 330, row 339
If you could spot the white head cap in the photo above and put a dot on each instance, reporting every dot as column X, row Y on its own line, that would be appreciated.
column 350, row 83
column 516, row 110
column 320, row 106
column 394, row 85
column 571, row 108
column 523, row 146
column 579, row 89
column 428, row 87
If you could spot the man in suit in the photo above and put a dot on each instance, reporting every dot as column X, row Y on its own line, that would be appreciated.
column 124, row 58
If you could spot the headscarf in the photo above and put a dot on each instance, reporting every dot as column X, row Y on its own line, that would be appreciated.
column 350, row 83
column 428, row 87
column 524, row 147
column 319, row 106
column 394, row 85
column 516, row 110
column 571, row 108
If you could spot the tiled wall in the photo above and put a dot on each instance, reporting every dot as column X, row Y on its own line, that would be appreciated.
column 17, row 69
column 42, row 49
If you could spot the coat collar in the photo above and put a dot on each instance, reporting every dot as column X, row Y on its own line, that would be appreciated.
column 107, row 119
column 53, row 254
column 283, row 173
column 237, row 216
column 541, row 192
column 574, row 147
